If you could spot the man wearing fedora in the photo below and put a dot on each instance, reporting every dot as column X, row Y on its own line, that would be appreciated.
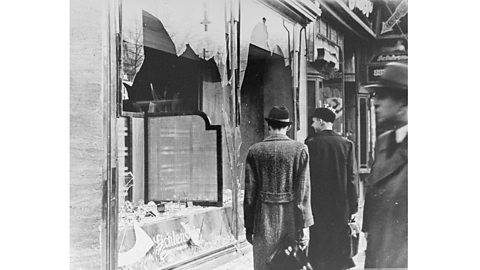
column 277, row 189
column 385, row 211
column 334, row 194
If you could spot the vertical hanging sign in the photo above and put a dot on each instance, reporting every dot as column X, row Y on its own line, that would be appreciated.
column 399, row 12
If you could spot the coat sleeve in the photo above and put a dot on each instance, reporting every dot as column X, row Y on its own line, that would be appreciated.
column 352, row 178
column 367, row 186
column 303, row 209
column 366, row 207
column 250, row 195
column 366, row 214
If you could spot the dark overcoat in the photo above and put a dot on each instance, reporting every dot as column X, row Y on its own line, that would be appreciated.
column 334, row 198
column 277, row 194
column 385, row 213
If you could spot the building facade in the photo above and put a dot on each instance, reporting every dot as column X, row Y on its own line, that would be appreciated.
column 162, row 108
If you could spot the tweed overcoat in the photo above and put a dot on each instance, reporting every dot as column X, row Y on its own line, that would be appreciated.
column 277, row 194
column 333, row 174
column 385, row 213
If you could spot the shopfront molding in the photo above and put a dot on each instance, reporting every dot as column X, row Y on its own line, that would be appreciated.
column 219, row 257
column 302, row 11
column 342, row 14
column 110, row 79
column 355, row 17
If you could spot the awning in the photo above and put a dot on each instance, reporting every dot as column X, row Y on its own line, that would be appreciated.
column 324, row 51
column 327, row 56
column 313, row 70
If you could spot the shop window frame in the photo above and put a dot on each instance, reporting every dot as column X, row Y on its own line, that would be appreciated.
column 364, row 167
column 120, row 112
column 208, row 127
column 317, row 96
column 110, row 209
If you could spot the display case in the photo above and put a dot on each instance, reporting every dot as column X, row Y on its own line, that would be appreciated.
column 172, row 191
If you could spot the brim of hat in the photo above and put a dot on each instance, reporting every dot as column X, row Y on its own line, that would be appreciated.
column 278, row 121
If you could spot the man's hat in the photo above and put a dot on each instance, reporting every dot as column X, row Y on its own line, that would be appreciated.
column 395, row 77
column 279, row 114
column 326, row 114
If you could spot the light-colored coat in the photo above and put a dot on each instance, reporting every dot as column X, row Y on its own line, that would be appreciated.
column 385, row 212
column 277, row 194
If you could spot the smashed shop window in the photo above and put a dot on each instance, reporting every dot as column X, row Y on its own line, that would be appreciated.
column 172, row 64
column 266, row 68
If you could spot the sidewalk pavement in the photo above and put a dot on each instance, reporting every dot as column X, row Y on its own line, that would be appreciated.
column 245, row 262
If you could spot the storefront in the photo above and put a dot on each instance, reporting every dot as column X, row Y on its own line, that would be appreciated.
column 352, row 42
column 194, row 88
column 341, row 38
column 369, row 35
column 181, row 98
column 272, row 66
column 326, row 68
column 391, row 44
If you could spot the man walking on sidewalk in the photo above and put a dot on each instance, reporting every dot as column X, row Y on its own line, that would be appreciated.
column 277, row 189
column 334, row 194
column 385, row 211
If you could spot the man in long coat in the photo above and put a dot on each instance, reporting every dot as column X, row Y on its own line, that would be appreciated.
column 385, row 212
column 334, row 194
column 277, row 189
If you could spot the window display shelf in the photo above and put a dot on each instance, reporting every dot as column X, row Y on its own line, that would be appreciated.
column 175, row 237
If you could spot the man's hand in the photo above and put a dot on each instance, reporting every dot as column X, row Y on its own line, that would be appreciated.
column 250, row 238
column 303, row 236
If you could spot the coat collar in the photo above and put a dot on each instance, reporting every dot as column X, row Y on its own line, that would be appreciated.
column 327, row 132
column 385, row 166
column 277, row 137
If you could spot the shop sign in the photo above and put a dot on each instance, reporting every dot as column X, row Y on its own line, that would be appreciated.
column 391, row 57
column 170, row 240
column 399, row 12
column 166, row 242
column 376, row 68
column 375, row 72
column 365, row 6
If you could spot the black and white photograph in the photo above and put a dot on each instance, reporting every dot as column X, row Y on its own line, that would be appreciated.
column 236, row 130
column 245, row 135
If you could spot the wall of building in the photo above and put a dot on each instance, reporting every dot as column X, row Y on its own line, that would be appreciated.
column 86, row 133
